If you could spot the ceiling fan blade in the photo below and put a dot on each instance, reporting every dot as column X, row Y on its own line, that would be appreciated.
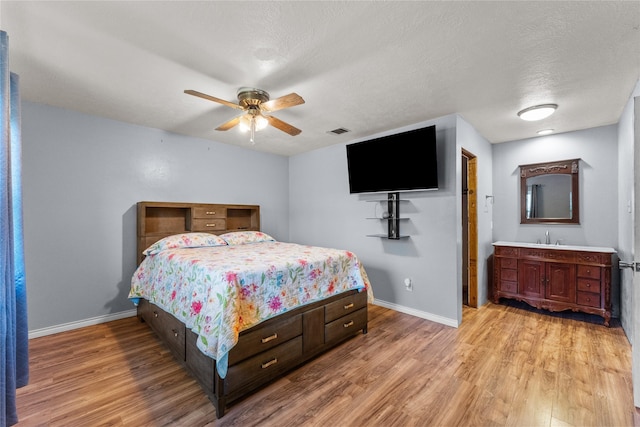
column 283, row 126
column 286, row 101
column 231, row 123
column 213, row 98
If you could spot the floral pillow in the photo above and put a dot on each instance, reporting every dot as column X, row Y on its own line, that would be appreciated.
column 185, row 240
column 243, row 237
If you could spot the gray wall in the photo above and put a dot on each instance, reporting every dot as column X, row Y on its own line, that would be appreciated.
column 473, row 142
column 82, row 176
column 322, row 212
column 597, row 149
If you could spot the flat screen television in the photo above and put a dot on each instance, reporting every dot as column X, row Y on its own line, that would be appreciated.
column 402, row 162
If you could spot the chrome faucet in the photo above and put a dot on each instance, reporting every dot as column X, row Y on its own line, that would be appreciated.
column 547, row 240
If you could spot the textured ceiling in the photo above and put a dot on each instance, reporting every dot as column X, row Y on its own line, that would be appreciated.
column 365, row 66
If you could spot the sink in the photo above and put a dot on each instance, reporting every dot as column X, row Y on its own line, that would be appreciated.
column 559, row 247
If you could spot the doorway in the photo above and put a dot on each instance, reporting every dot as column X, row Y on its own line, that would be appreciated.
column 469, row 230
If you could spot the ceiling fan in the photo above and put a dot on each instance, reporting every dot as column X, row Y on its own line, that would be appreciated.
column 253, row 102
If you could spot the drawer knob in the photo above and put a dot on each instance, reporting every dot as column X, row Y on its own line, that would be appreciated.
column 348, row 306
column 269, row 363
column 270, row 338
column 175, row 333
column 155, row 314
column 588, row 284
column 210, row 212
column 210, row 225
column 348, row 324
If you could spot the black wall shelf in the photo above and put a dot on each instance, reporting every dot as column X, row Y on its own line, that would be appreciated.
column 393, row 220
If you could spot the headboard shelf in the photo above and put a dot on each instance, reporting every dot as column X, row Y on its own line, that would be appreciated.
column 161, row 219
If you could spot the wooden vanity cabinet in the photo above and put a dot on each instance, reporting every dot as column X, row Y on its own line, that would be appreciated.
column 554, row 279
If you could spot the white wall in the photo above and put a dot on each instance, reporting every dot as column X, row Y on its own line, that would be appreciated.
column 626, row 176
column 322, row 212
column 83, row 175
column 597, row 149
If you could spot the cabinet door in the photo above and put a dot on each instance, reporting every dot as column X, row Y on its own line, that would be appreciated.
column 531, row 278
column 561, row 282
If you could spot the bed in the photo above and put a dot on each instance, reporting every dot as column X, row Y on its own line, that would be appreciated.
column 236, row 307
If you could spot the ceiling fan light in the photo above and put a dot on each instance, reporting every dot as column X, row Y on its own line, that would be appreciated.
column 261, row 122
column 245, row 123
column 537, row 112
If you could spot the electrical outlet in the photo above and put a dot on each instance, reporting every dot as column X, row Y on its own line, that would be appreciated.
column 408, row 285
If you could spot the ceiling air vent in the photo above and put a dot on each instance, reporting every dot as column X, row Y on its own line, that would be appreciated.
column 339, row 131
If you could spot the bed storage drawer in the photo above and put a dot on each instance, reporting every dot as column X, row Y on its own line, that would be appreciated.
column 201, row 366
column 345, row 306
column 266, row 337
column 345, row 326
column 170, row 329
column 265, row 366
column 209, row 224
column 211, row 211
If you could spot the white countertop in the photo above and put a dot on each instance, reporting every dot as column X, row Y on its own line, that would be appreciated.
column 560, row 247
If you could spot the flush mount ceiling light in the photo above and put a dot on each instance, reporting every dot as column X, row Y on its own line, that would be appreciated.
column 537, row 112
column 545, row 132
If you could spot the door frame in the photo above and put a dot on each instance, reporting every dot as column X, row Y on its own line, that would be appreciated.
column 471, row 240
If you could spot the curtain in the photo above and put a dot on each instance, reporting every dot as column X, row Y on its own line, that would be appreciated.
column 534, row 210
column 14, row 357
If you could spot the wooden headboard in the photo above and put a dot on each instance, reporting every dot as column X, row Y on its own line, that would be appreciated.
column 161, row 219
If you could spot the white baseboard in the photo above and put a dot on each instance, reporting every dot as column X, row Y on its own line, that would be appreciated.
column 80, row 324
column 418, row 313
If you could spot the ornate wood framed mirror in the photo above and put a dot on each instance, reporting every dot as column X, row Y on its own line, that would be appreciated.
column 549, row 193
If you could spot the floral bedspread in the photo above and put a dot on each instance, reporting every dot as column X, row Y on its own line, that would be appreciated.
column 219, row 291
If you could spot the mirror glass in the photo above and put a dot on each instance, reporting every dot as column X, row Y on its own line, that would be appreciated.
column 549, row 192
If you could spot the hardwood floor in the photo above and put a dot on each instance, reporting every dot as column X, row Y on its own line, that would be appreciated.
column 506, row 365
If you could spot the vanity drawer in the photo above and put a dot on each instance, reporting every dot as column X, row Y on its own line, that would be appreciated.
column 344, row 306
column 209, row 212
column 510, row 287
column 589, row 271
column 209, row 224
column 265, row 366
column 506, row 251
column 557, row 255
column 509, row 275
column 594, row 258
column 589, row 299
column 509, row 263
column 588, row 285
column 264, row 338
column 345, row 326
